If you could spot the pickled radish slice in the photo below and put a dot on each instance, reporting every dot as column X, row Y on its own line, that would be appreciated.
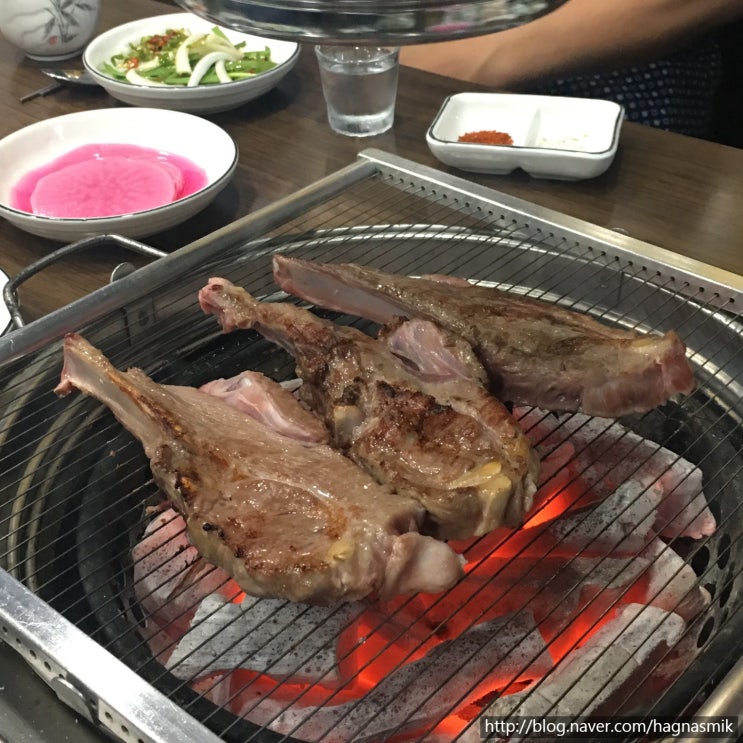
column 175, row 173
column 106, row 180
column 104, row 188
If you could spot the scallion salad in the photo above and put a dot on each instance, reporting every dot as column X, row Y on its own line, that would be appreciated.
column 179, row 57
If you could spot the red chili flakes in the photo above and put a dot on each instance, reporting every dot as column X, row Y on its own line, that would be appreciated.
column 487, row 136
column 159, row 41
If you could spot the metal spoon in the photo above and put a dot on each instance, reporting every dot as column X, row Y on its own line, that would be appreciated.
column 70, row 75
column 61, row 76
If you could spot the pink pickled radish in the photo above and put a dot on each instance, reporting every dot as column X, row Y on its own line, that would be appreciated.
column 106, row 179
column 105, row 187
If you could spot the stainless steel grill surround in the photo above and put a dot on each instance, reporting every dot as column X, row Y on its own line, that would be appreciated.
column 367, row 21
column 401, row 217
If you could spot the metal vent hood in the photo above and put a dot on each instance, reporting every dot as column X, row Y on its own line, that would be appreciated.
column 368, row 21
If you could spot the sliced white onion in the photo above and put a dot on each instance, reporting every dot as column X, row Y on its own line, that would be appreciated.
column 203, row 65
column 182, row 62
column 218, row 43
column 135, row 78
column 221, row 70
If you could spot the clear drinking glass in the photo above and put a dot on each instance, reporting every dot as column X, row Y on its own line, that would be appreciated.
column 360, row 87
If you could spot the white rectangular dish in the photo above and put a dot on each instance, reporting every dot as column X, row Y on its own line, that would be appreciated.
column 553, row 137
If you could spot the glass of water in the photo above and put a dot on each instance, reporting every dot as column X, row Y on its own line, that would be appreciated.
column 360, row 87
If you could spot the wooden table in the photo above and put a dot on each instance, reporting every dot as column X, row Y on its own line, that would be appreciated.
column 677, row 192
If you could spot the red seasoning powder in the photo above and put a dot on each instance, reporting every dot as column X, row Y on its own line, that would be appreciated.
column 487, row 136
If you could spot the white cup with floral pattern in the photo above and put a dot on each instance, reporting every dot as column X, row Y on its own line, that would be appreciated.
column 49, row 30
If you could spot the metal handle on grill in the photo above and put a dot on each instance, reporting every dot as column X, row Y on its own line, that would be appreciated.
column 10, row 294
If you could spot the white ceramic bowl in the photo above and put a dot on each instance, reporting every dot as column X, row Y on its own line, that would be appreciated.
column 200, row 99
column 205, row 144
column 553, row 137
column 49, row 30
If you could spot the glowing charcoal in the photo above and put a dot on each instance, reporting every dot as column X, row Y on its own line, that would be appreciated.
column 669, row 583
column 596, row 676
column 415, row 696
column 683, row 512
column 262, row 635
column 217, row 688
column 607, row 455
column 620, row 524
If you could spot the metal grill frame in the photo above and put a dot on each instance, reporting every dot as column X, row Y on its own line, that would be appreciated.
column 90, row 679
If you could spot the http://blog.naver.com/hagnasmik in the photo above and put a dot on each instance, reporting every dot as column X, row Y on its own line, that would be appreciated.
column 606, row 727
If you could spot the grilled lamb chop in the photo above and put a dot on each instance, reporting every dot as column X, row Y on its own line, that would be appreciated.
column 535, row 353
column 426, row 427
column 285, row 519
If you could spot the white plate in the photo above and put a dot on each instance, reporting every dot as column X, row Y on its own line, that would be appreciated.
column 200, row 99
column 553, row 136
column 192, row 137
column 4, row 312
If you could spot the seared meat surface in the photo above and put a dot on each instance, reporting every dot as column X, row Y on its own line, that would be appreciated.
column 410, row 410
column 535, row 353
column 285, row 519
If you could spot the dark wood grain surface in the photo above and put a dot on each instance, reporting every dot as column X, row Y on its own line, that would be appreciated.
column 680, row 193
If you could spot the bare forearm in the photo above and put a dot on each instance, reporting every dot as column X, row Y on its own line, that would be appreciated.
column 581, row 35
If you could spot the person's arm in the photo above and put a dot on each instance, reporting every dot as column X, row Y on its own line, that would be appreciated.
column 578, row 36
